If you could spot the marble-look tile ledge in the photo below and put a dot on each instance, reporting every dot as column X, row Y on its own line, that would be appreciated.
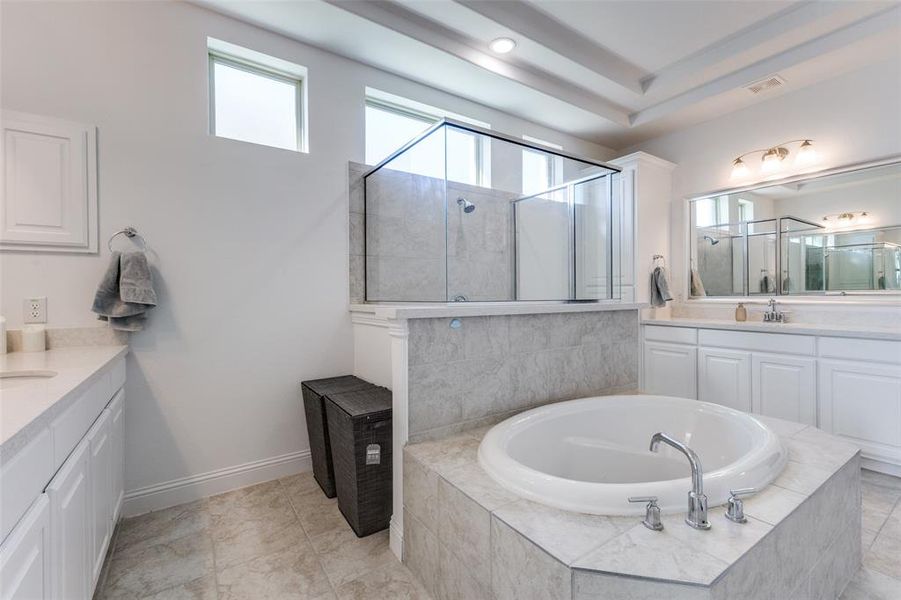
column 620, row 546
column 70, row 337
column 425, row 310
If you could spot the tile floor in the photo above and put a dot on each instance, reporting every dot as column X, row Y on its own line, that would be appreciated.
column 285, row 540
column 879, row 577
column 277, row 540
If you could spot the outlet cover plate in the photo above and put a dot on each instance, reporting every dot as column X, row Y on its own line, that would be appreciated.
column 35, row 310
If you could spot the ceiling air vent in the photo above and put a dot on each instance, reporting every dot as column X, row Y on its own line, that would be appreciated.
column 765, row 85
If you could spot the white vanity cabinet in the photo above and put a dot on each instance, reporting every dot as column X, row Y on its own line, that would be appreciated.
column 860, row 395
column 724, row 377
column 670, row 360
column 784, row 387
column 100, row 440
column 70, row 525
column 57, row 547
column 847, row 386
column 25, row 556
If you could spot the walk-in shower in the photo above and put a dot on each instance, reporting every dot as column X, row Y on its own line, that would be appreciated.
column 461, row 212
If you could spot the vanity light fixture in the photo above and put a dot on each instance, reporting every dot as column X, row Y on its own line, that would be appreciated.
column 502, row 45
column 845, row 218
column 773, row 158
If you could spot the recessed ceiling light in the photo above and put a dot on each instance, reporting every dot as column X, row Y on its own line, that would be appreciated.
column 502, row 45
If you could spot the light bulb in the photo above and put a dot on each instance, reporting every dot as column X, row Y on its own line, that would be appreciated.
column 772, row 159
column 739, row 169
column 807, row 154
column 502, row 45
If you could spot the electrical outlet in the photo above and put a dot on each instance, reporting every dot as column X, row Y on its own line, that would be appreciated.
column 35, row 310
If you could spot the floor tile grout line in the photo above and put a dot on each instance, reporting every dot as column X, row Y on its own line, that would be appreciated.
column 308, row 538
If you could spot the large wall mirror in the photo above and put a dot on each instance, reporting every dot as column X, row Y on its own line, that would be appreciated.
column 837, row 233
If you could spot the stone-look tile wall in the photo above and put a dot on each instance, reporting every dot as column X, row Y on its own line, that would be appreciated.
column 493, row 366
column 467, row 537
column 416, row 253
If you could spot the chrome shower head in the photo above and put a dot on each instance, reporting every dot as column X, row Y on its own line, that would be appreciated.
column 713, row 241
column 467, row 206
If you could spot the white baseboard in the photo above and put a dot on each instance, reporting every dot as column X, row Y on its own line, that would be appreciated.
column 195, row 487
column 396, row 539
column 881, row 466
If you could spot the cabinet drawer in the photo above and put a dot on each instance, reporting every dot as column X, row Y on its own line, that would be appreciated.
column 24, row 478
column 785, row 343
column 866, row 350
column 677, row 335
column 68, row 428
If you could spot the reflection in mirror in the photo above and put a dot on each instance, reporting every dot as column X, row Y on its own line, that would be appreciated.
column 838, row 233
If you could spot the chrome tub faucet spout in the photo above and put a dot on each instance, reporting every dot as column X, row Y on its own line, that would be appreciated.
column 697, row 501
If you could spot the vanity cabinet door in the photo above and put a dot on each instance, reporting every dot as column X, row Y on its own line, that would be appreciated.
column 70, row 526
column 117, row 435
column 25, row 556
column 862, row 401
column 670, row 370
column 101, row 454
column 724, row 377
column 784, row 387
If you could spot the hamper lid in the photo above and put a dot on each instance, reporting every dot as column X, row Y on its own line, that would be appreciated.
column 336, row 385
column 368, row 402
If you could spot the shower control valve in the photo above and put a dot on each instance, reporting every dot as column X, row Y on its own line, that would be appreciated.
column 735, row 508
column 652, row 512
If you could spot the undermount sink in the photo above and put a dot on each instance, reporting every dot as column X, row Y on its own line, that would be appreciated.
column 9, row 379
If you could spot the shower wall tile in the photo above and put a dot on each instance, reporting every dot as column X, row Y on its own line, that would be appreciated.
column 493, row 366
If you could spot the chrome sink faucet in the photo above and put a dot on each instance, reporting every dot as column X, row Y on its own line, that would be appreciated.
column 773, row 315
column 697, row 501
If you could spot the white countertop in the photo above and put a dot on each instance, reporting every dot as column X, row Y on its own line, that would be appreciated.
column 423, row 310
column 852, row 331
column 25, row 405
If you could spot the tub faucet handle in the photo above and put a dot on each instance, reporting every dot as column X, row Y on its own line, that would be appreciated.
column 652, row 512
column 735, row 508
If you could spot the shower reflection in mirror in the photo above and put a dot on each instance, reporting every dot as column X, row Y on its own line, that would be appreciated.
column 838, row 233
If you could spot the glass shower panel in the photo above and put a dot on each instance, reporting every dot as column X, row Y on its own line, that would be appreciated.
column 405, row 221
column 466, row 214
column 543, row 239
column 761, row 257
column 719, row 260
column 594, row 266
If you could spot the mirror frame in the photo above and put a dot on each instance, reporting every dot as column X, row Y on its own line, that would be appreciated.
column 861, row 295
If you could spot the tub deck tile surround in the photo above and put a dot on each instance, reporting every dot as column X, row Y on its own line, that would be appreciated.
column 803, row 539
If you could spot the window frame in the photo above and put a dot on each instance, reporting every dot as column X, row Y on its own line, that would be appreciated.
column 262, row 70
column 482, row 154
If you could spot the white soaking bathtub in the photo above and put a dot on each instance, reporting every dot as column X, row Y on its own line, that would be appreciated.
column 590, row 455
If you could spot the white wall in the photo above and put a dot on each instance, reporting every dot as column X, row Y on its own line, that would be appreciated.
column 853, row 118
column 251, row 242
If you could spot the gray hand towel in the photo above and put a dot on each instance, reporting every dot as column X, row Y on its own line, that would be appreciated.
column 125, row 292
column 659, row 288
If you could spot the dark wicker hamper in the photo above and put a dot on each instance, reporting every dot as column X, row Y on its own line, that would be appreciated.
column 314, row 392
column 359, row 425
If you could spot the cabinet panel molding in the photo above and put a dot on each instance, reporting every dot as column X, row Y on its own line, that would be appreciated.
column 25, row 556
column 670, row 370
column 48, row 200
column 724, row 377
column 784, row 387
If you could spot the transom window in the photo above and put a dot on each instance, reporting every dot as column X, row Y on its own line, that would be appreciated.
column 256, row 98
column 392, row 121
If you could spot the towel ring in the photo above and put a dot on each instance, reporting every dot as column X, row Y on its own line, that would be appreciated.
column 129, row 232
column 661, row 258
